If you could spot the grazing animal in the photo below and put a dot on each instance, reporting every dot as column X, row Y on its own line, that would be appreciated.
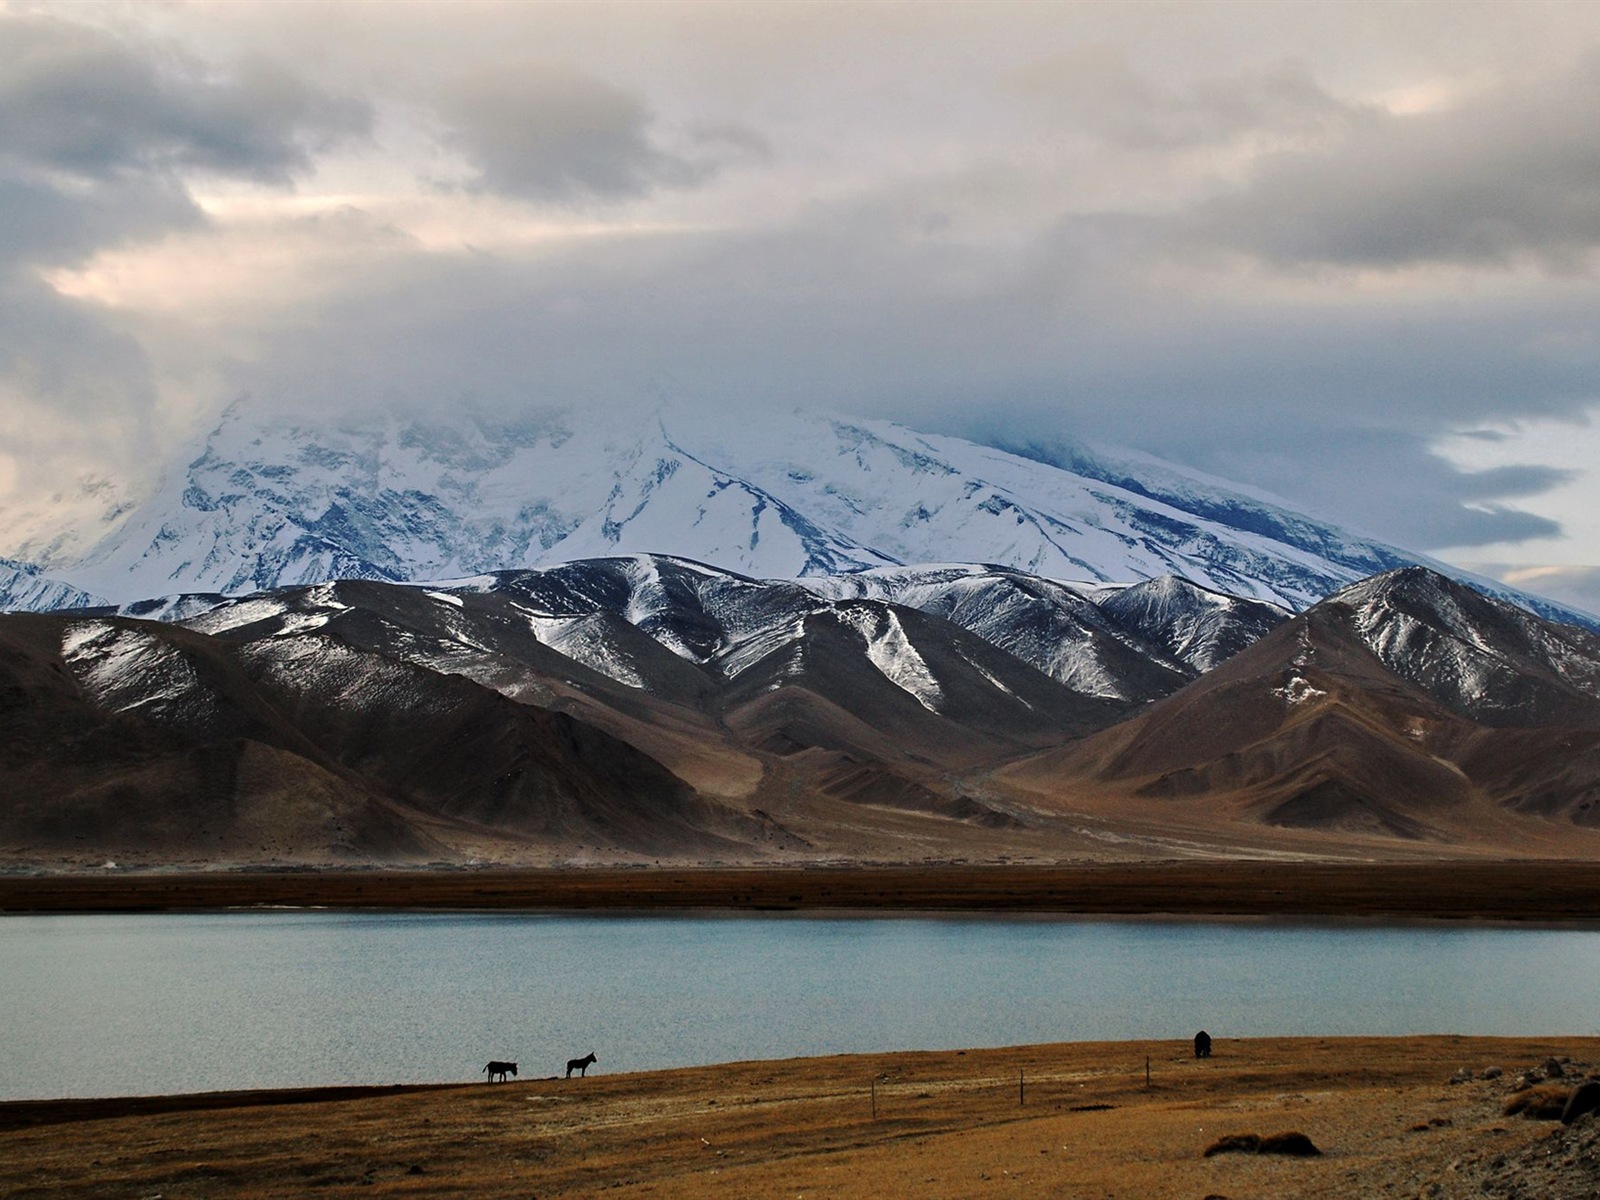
column 499, row 1069
column 581, row 1065
column 1202, row 1044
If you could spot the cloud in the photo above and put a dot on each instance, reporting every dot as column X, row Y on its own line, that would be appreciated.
column 1225, row 241
column 1509, row 175
column 1096, row 89
column 81, row 101
column 1576, row 585
column 546, row 132
column 101, row 137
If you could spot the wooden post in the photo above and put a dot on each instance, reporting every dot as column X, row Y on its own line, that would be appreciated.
column 1022, row 1088
column 874, row 1097
column 1147, row 1072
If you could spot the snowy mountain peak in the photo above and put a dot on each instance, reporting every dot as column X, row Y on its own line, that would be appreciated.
column 1476, row 654
column 274, row 502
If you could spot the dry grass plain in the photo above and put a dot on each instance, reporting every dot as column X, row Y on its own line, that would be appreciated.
column 947, row 1124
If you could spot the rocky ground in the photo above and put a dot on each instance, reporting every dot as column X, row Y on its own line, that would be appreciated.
column 1403, row 1117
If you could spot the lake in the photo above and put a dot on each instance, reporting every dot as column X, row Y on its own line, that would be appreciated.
column 135, row 1004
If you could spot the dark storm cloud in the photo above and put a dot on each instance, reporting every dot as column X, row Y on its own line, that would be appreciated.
column 1513, row 173
column 551, row 133
column 104, row 367
column 45, row 224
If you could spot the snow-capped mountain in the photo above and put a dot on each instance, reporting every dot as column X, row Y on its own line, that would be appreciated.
column 272, row 503
column 1479, row 657
column 25, row 588
column 682, row 631
column 149, row 741
column 640, row 706
column 1125, row 641
column 749, row 689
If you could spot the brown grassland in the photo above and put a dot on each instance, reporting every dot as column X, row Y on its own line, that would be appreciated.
column 1070, row 1120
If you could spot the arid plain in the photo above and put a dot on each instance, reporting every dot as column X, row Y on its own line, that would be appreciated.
column 1069, row 1120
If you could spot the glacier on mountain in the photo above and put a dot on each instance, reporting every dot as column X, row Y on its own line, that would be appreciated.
column 268, row 503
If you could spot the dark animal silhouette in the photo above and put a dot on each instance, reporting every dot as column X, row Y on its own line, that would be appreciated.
column 1202, row 1044
column 581, row 1065
column 500, row 1069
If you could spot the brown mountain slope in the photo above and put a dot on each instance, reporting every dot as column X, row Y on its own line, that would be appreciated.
column 78, row 777
column 143, row 740
column 1311, row 731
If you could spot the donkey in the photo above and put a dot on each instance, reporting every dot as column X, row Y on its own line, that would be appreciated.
column 500, row 1069
column 581, row 1065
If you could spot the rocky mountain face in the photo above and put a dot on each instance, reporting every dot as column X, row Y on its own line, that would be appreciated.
column 749, row 688
column 647, row 707
column 1404, row 707
column 267, row 503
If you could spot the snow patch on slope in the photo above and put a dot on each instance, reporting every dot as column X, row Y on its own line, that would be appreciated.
column 128, row 670
column 890, row 650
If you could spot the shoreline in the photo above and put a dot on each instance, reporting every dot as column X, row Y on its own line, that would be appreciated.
column 29, row 1113
column 1390, row 1115
column 1517, row 891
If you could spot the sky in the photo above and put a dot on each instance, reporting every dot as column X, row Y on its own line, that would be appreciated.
column 1345, row 253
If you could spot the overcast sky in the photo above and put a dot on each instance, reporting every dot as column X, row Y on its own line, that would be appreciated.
column 1343, row 252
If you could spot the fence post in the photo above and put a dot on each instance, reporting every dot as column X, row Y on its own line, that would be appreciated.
column 1022, row 1088
column 874, row 1097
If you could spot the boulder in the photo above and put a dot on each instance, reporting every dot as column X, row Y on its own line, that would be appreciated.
column 1291, row 1142
column 1585, row 1098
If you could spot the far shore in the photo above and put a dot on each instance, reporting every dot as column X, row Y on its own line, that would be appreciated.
column 1414, row 1116
column 1511, row 890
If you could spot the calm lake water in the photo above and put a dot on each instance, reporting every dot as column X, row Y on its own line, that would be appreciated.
column 115, row 1005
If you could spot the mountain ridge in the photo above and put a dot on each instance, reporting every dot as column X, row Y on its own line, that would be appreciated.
column 645, row 707
column 1407, row 706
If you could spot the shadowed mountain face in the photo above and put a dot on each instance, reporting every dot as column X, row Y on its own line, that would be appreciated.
column 924, row 673
column 154, row 742
column 1407, row 706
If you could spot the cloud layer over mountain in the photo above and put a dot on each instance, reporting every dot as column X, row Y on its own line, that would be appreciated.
column 1268, row 241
